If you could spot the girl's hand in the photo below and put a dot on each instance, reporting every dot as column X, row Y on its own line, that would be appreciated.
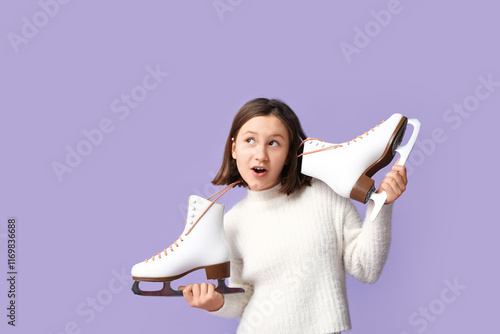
column 394, row 183
column 203, row 296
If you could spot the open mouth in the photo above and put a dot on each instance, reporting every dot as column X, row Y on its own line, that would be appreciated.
column 259, row 170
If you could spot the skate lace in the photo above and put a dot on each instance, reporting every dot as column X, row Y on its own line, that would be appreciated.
column 333, row 146
column 171, row 247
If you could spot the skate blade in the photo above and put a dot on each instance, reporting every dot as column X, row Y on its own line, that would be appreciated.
column 404, row 151
column 223, row 289
column 379, row 200
column 167, row 291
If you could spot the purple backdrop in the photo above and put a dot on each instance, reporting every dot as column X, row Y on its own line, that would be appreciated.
column 144, row 93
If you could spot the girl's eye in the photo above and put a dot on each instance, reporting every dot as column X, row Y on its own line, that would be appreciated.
column 250, row 140
column 274, row 143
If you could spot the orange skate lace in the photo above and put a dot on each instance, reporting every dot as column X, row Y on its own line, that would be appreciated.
column 332, row 146
column 223, row 191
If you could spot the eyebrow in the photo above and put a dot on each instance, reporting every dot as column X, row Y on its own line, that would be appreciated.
column 255, row 133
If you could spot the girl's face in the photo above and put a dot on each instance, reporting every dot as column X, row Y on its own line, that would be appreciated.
column 261, row 150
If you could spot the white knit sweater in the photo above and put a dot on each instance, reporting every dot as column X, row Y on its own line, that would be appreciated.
column 290, row 254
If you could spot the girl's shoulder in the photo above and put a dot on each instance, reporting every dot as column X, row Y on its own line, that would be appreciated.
column 320, row 189
column 319, row 192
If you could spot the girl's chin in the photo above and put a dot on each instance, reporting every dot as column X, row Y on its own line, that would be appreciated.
column 261, row 186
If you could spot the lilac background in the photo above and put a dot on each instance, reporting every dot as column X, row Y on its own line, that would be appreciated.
column 125, row 201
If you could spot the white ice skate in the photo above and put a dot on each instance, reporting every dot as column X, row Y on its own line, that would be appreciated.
column 202, row 245
column 348, row 167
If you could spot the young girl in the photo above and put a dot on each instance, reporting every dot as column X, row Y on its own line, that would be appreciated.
column 292, row 238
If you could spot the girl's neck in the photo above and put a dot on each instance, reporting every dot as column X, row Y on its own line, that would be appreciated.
column 265, row 195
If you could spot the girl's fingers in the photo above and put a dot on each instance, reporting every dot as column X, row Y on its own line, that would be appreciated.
column 203, row 288
column 196, row 290
column 396, row 180
column 211, row 289
column 187, row 292
column 401, row 170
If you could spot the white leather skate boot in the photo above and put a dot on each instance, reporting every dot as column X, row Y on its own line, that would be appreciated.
column 348, row 167
column 202, row 245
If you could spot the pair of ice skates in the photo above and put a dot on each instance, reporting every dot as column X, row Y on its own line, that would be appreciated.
column 347, row 168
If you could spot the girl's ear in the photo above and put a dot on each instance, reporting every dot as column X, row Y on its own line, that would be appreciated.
column 233, row 146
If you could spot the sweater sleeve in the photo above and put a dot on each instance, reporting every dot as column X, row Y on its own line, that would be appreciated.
column 366, row 244
column 234, row 304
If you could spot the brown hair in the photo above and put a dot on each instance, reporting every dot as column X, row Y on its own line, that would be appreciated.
column 291, row 178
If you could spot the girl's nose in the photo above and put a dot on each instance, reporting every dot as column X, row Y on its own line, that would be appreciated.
column 261, row 153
